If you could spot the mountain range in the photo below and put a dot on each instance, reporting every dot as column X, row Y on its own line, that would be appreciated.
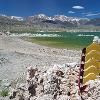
column 41, row 21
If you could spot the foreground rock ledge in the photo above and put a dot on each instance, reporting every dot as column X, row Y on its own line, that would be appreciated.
column 59, row 82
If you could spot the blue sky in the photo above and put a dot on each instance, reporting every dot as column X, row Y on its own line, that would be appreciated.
column 78, row 8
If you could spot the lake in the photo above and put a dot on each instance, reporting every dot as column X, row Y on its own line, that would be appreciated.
column 64, row 39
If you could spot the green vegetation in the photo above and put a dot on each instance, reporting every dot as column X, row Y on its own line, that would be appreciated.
column 4, row 93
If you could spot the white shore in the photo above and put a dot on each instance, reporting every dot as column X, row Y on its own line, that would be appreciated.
column 17, row 54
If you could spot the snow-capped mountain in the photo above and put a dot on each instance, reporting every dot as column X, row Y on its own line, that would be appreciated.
column 3, row 15
column 57, row 20
column 42, row 16
column 65, row 18
column 17, row 18
column 12, row 17
column 44, row 21
column 62, row 18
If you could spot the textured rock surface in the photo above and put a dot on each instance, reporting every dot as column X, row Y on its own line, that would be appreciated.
column 58, row 82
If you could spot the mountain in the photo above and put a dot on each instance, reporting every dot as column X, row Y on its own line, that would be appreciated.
column 5, row 20
column 17, row 18
column 42, row 21
column 93, row 22
column 55, row 21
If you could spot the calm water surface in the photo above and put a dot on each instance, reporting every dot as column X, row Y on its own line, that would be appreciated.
column 64, row 39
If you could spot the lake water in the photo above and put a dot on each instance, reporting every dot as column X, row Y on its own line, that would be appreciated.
column 64, row 39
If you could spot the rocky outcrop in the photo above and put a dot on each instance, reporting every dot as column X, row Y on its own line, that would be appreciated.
column 59, row 82
column 53, row 83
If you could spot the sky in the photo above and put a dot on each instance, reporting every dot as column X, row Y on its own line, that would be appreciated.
column 77, row 8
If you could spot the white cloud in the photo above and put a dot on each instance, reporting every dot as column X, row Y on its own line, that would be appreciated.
column 71, row 12
column 92, row 14
column 78, row 7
